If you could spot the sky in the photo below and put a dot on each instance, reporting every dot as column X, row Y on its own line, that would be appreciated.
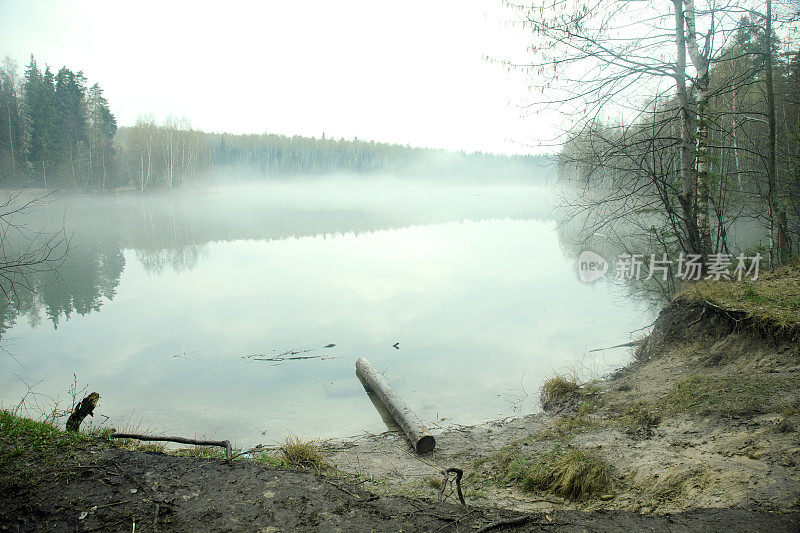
column 411, row 72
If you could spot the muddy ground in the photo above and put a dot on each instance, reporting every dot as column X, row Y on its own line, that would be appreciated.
column 120, row 490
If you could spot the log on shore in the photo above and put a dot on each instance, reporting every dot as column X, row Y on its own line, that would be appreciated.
column 417, row 433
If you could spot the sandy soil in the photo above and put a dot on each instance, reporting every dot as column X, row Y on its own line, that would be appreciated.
column 119, row 490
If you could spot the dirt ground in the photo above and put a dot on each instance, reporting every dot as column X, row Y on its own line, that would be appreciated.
column 120, row 490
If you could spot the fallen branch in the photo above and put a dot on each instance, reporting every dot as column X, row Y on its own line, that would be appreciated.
column 353, row 494
column 446, row 473
column 415, row 430
column 506, row 522
column 182, row 440
column 632, row 343
column 452, row 521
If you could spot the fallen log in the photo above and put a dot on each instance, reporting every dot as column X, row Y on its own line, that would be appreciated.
column 417, row 433
column 182, row 440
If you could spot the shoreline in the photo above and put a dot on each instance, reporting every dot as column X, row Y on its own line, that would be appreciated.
column 704, row 417
column 702, row 430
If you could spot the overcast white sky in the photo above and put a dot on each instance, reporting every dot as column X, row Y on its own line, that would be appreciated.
column 410, row 71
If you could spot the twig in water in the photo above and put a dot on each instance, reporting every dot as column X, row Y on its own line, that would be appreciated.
column 289, row 355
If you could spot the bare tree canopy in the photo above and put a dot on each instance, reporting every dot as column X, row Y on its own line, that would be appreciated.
column 680, row 118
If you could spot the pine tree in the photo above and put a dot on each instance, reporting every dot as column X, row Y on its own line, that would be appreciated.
column 102, row 127
column 72, row 120
column 39, row 97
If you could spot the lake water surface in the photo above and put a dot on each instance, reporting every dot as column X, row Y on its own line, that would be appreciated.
column 166, row 302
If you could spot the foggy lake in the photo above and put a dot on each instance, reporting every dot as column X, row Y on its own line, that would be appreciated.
column 169, row 304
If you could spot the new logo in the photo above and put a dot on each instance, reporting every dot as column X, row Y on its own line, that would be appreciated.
column 591, row 266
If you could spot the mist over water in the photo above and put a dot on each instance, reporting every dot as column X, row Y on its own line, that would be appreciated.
column 164, row 300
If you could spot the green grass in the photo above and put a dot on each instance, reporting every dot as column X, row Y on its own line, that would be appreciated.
column 792, row 408
column 36, row 436
column 271, row 460
column 435, row 483
column 730, row 394
column 571, row 473
column 640, row 417
column 566, row 426
column 772, row 301
column 29, row 447
column 200, row 452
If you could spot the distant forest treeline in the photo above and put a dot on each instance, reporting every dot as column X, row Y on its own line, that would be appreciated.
column 55, row 132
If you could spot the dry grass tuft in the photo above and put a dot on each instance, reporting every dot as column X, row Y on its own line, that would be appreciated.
column 558, row 390
column 304, row 454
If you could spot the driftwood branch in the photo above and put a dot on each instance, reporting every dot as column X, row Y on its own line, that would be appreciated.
column 182, row 440
column 84, row 408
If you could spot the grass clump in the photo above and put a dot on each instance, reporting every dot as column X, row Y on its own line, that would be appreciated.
column 639, row 420
column 558, row 391
column 571, row 473
column 304, row 454
column 565, row 426
column 200, row 452
column 730, row 394
column 435, row 483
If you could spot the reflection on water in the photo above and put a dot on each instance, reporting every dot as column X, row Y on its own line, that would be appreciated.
column 590, row 220
column 163, row 299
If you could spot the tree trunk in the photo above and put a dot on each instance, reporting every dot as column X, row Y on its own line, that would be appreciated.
column 10, row 135
column 736, row 144
column 83, row 409
column 700, row 62
column 691, row 241
column 779, row 249
column 72, row 165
